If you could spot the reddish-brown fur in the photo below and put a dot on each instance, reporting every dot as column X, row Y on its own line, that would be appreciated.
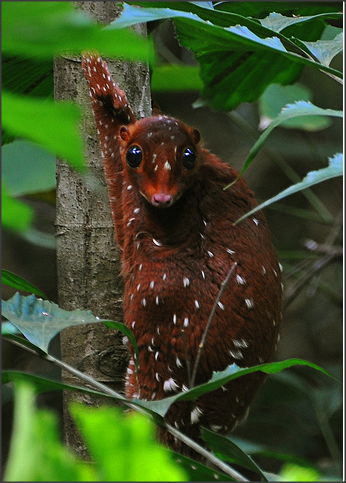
column 174, row 226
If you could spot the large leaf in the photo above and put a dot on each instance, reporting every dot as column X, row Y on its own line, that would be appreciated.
column 19, row 283
column 36, row 451
column 27, row 76
column 175, row 78
column 325, row 50
column 220, row 378
column 128, row 450
column 276, row 97
column 45, row 29
column 262, row 9
column 334, row 169
column 40, row 320
column 27, row 168
column 43, row 384
column 278, row 22
column 230, row 451
column 234, row 50
column 53, row 125
column 16, row 215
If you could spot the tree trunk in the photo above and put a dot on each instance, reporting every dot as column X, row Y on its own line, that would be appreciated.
column 87, row 255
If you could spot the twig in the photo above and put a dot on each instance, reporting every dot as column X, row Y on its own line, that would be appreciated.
column 211, row 317
column 187, row 359
column 326, row 249
column 210, row 456
column 331, row 253
column 110, row 392
column 316, row 267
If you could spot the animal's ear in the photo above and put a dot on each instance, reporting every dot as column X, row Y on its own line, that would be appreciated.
column 156, row 109
column 196, row 136
column 124, row 133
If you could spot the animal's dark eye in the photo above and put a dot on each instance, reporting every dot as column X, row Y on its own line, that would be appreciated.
column 134, row 156
column 189, row 158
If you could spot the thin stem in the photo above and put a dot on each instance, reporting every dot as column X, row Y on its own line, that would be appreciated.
column 187, row 359
column 316, row 267
column 211, row 317
column 210, row 456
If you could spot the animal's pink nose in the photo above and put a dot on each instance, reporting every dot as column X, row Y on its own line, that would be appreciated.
column 161, row 200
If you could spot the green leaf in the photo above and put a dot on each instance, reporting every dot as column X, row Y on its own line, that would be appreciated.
column 27, row 76
column 261, row 9
column 27, row 168
column 8, row 329
column 40, row 320
column 111, row 324
column 277, row 96
column 16, row 215
column 278, row 22
column 128, row 449
column 19, row 283
column 175, row 78
column 38, row 430
column 326, row 50
column 292, row 472
column 47, row 29
column 234, row 51
column 21, row 341
column 42, row 384
column 220, row 378
column 334, row 169
column 227, row 450
column 238, row 58
column 52, row 125
column 199, row 472
column 291, row 111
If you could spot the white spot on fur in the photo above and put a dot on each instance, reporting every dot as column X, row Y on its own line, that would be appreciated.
column 170, row 385
column 236, row 354
column 242, row 343
column 221, row 305
column 195, row 415
column 240, row 280
column 249, row 303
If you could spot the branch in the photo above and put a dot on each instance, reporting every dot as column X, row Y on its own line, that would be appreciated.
column 330, row 253
column 211, row 317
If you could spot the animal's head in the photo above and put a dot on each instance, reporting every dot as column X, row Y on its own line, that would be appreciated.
column 161, row 157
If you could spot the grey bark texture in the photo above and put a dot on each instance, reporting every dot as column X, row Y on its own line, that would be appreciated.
column 88, row 261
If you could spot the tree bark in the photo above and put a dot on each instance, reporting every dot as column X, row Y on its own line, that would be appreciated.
column 87, row 255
